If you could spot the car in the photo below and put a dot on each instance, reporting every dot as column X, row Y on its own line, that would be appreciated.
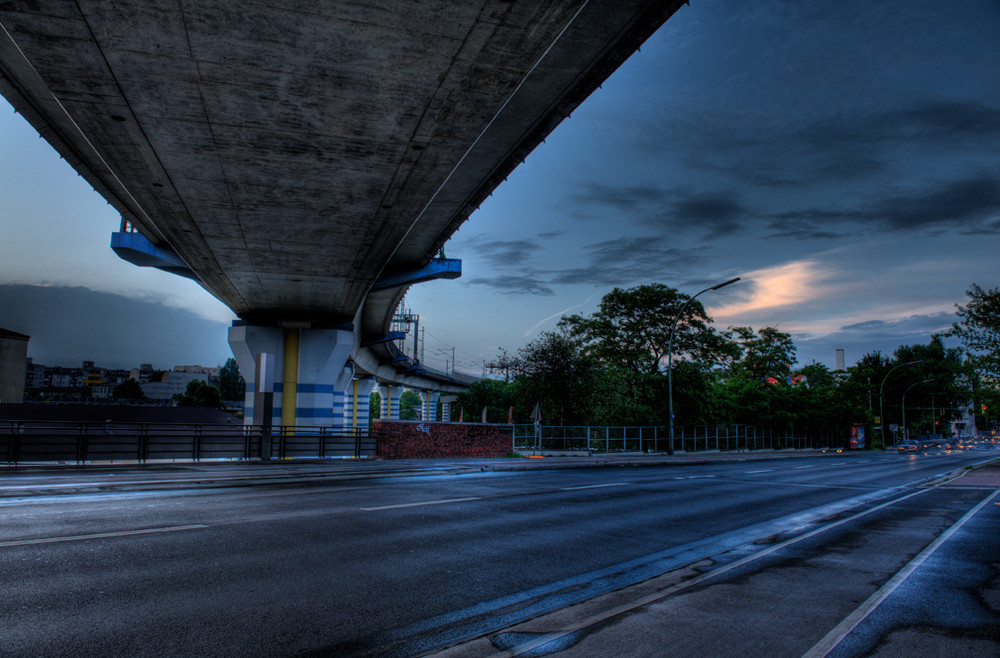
column 908, row 444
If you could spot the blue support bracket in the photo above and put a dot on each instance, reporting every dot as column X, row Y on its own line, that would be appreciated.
column 439, row 268
column 138, row 250
column 392, row 335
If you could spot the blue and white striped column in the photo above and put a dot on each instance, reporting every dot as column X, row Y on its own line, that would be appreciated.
column 309, row 366
column 389, row 394
column 356, row 408
column 430, row 400
column 322, row 376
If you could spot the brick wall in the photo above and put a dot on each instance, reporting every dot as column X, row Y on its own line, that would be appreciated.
column 415, row 440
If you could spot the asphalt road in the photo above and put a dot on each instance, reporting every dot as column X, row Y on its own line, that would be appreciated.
column 415, row 559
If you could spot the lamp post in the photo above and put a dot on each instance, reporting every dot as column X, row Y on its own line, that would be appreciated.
column 670, row 356
column 881, row 413
column 905, row 433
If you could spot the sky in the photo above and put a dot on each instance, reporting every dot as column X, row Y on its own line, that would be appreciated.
column 841, row 156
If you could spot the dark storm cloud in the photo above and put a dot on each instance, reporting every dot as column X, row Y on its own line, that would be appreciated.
column 817, row 148
column 619, row 262
column 949, row 122
column 811, row 224
column 627, row 199
column 715, row 213
column 506, row 253
column 70, row 325
column 971, row 205
column 627, row 260
column 527, row 284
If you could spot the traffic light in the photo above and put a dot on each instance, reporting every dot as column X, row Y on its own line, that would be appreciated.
column 984, row 407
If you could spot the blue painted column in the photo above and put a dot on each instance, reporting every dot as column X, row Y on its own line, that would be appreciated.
column 309, row 385
column 389, row 394
column 248, row 343
column 356, row 409
column 429, row 400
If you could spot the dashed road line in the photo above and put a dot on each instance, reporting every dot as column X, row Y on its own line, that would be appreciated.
column 596, row 486
column 421, row 503
column 102, row 535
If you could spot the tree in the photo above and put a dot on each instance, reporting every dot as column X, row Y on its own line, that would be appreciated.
column 631, row 328
column 979, row 328
column 497, row 396
column 129, row 389
column 200, row 393
column 554, row 371
column 231, row 383
column 766, row 354
column 409, row 402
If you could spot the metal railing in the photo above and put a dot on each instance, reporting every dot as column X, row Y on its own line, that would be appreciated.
column 721, row 438
column 45, row 442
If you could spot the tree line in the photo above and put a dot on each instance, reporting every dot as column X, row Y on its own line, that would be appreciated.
column 610, row 368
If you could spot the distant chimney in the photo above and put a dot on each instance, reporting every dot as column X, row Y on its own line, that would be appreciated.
column 840, row 359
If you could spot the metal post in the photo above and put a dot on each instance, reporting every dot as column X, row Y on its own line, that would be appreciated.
column 670, row 358
column 881, row 413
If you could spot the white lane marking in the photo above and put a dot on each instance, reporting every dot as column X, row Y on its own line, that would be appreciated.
column 541, row 640
column 597, row 486
column 421, row 504
column 102, row 535
column 841, row 630
column 766, row 470
column 801, row 468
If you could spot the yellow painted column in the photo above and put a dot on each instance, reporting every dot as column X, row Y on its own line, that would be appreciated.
column 290, row 380
column 354, row 407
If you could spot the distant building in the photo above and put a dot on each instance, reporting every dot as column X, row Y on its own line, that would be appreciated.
column 87, row 383
column 175, row 381
column 13, row 358
column 840, row 359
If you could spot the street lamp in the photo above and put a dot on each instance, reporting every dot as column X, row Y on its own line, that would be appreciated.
column 905, row 433
column 881, row 414
column 670, row 356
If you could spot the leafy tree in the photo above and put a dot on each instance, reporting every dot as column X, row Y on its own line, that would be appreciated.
column 554, row 371
column 200, row 393
column 129, row 389
column 231, row 383
column 946, row 394
column 497, row 396
column 979, row 328
column 631, row 328
column 768, row 353
column 409, row 402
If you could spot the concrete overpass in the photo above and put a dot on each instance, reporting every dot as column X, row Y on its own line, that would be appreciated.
column 307, row 162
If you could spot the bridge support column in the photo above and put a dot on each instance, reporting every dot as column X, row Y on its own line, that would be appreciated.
column 356, row 409
column 430, row 400
column 389, row 395
column 310, row 366
column 446, row 407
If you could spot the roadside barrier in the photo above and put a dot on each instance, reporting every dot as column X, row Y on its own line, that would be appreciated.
column 40, row 442
column 721, row 438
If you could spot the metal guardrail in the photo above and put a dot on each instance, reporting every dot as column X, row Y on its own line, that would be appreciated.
column 721, row 438
column 43, row 442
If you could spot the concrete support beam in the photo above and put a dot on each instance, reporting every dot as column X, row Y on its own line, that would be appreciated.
column 446, row 402
column 356, row 409
column 389, row 395
column 309, row 364
column 429, row 400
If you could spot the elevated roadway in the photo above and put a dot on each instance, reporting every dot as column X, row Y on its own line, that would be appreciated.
column 307, row 162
